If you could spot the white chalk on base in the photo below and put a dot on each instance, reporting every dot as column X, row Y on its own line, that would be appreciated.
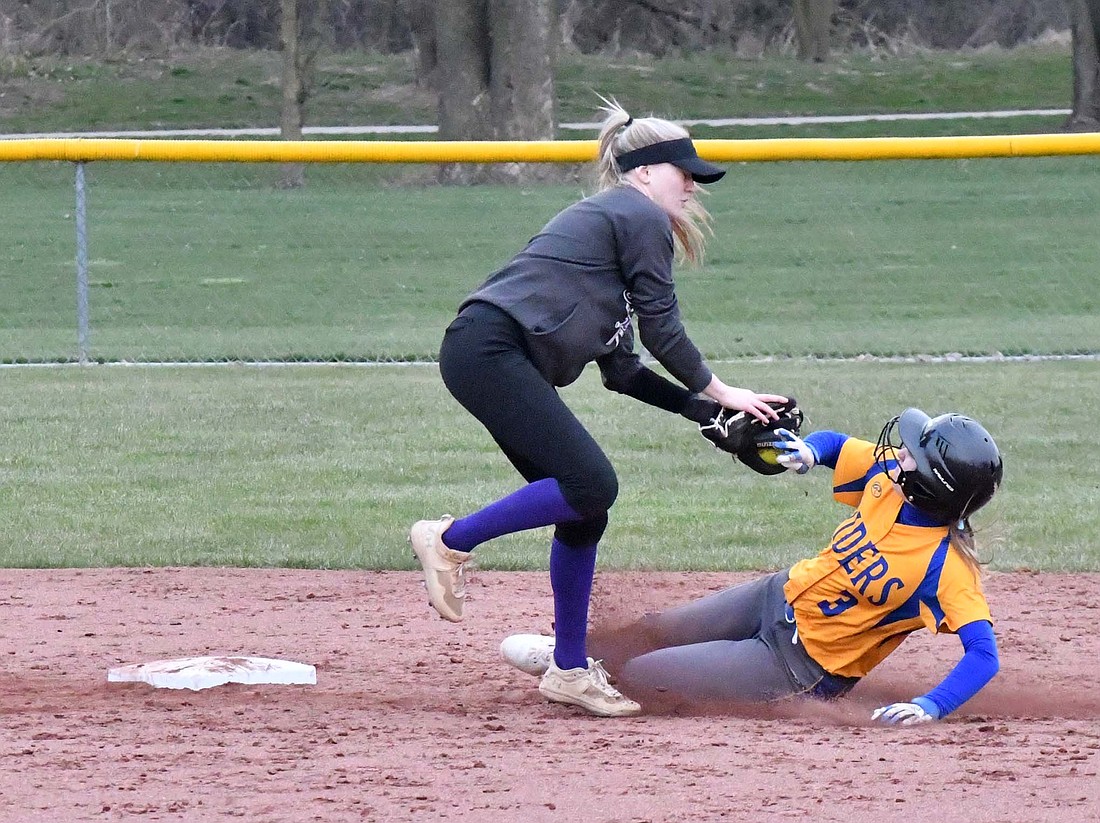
column 197, row 673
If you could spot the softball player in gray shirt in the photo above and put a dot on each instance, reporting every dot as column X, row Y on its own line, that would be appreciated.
column 596, row 272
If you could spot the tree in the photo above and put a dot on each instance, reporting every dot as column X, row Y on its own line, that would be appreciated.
column 1085, row 25
column 299, row 43
column 813, row 22
column 420, row 17
column 462, row 71
column 495, row 61
column 521, row 78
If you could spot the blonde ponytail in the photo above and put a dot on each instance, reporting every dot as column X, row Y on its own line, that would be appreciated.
column 961, row 535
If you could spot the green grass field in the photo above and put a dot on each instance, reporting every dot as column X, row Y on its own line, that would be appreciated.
column 326, row 465
column 196, row 263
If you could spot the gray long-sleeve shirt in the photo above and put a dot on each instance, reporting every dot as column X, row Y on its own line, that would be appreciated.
column 575, row 286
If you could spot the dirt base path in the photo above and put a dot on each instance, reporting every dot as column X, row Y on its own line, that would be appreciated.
column 413, row 718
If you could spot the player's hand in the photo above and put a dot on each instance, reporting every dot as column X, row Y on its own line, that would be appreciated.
column 745, row 400
column 794, row 455
column 902, row 714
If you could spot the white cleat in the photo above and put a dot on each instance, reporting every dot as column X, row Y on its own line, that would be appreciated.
column 530, row 653
column 589, row 688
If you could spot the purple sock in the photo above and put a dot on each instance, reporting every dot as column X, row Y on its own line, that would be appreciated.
column 571, row 572
column 537, row 504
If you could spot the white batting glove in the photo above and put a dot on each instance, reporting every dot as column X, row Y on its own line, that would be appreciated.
column 902, row 714
column 794, row 454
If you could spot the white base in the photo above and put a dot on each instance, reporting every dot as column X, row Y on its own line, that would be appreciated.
column 197, row 673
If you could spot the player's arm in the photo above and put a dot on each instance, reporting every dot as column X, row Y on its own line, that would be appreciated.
column 826, row 446
column 622, row 372
column 643, row 239
column 979, row 664
column 646, row 385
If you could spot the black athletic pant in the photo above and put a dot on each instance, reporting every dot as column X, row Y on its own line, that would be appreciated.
column 485, row 365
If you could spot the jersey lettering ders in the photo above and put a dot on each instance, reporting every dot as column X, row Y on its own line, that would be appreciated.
column 878, row 580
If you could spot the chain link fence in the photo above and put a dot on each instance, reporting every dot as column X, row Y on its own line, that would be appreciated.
column 205, row 262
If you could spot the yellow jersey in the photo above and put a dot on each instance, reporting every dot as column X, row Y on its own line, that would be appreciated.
column 879, row 579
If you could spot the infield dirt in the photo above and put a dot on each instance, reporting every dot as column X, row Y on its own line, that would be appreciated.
column 413, row 718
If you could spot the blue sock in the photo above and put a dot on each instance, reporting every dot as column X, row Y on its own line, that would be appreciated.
column 571, row 573
column 537, row 504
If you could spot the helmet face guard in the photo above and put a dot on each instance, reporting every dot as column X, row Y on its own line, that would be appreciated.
column 958, row 466
column 886, row 449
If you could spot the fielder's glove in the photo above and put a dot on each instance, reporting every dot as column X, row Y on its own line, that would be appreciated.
column 748, row 439
column 903, row 714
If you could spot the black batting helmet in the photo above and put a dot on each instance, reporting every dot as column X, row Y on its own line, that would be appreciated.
column 959, row 467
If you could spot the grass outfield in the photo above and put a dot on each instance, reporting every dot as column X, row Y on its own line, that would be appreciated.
column 194, row 262
column 326, row 466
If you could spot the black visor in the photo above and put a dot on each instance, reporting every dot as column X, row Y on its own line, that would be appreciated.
column 680, row 153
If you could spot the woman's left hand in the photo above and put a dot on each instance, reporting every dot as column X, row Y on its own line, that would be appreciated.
column 744, row 400
column 902, row 714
